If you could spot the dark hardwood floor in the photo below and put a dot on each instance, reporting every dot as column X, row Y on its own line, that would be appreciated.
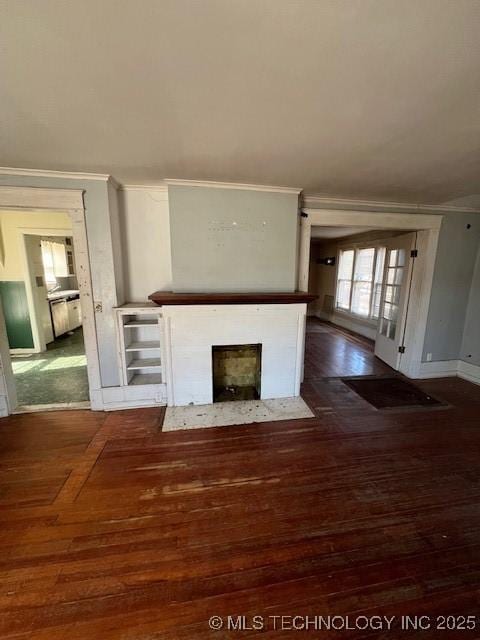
column 112, row 529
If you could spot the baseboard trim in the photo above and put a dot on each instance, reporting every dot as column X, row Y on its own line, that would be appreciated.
column 58, row 406
column 468, row 371
column 438, row 369
column 132, row 404
column 23, row 352
column 133, row 397
column 448, row 369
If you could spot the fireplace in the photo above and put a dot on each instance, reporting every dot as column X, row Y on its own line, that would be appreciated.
column 264, row 331
column 236, row 372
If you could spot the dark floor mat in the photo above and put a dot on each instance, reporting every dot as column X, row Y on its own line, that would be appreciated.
column 388, row 393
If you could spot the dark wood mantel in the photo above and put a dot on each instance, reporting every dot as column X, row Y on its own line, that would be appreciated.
column 170, row 298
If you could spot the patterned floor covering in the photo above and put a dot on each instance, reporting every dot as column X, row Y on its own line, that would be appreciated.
column 58, row 375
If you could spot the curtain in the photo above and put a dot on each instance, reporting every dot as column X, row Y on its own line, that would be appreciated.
column 54, row 261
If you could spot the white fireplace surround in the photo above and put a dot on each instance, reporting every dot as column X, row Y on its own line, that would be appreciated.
column 192, row 330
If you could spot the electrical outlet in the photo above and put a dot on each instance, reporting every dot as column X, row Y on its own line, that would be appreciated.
column 429, row 357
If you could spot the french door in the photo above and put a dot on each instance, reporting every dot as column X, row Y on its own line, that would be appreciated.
column 399, row 264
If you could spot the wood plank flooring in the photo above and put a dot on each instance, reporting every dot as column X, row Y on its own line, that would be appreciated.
column 111, row 529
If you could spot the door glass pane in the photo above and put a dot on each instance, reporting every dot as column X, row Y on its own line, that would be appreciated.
column 392, row 330
column 394, row 297
column 379, row 265
column 399, row 275
column 392, row 261
column 377, row 296
column 378, row 279
column 390, row 275
column 401, row 258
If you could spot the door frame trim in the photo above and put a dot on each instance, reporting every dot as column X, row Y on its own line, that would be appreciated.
column 428, row 228
column 70, row 201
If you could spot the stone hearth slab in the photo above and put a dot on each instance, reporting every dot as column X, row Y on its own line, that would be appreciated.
column 222, row 414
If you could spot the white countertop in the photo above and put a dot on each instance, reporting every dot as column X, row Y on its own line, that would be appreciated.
column 57, row 295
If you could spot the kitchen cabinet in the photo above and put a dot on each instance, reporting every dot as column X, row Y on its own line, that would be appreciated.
column 60, row 317
column 66, row 312
column 74, row 314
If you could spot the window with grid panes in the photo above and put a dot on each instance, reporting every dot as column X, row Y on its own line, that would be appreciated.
column 359, row 281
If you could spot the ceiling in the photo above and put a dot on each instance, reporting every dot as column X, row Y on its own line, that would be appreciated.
column 351, row 98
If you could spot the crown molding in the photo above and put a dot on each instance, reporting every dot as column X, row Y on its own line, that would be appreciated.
column 231, row 185
column 66, row 175
column 144, row 187
column 325, row 202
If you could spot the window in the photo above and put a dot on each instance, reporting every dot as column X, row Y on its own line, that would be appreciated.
column 344, row 282
column 359, row 281
column 54, row 262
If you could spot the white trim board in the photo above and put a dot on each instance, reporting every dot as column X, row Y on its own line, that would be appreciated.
column 325, row 202
column 132, row 397
column 437, row 369
column 27, row 351
column 64, row 406
column 162, row 188
column 48, row 173
column 230, row 185
column 468, row 371
column 449, row 369
column 34, row 198
column 376, row 219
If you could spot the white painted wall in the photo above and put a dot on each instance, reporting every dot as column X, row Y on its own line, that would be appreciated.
column 145, row 229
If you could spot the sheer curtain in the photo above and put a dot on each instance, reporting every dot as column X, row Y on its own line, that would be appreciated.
column 54, row 261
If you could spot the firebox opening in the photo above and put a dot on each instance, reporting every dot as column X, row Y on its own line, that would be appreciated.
column 237, row 371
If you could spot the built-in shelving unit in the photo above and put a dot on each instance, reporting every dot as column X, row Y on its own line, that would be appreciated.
column 140, row 344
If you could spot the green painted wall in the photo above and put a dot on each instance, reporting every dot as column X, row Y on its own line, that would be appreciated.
column 17, row 318
column 232, row 239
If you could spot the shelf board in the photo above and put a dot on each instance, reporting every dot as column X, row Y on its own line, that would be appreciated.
column 140, row 323
column 146, row 378
column 144, row 345
column 144, row 363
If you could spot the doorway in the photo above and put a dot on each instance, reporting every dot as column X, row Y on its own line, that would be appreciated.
column 49, row 364
column 67, row 206
column 349, row 274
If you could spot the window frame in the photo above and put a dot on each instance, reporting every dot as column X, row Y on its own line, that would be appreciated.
column 356, row 247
